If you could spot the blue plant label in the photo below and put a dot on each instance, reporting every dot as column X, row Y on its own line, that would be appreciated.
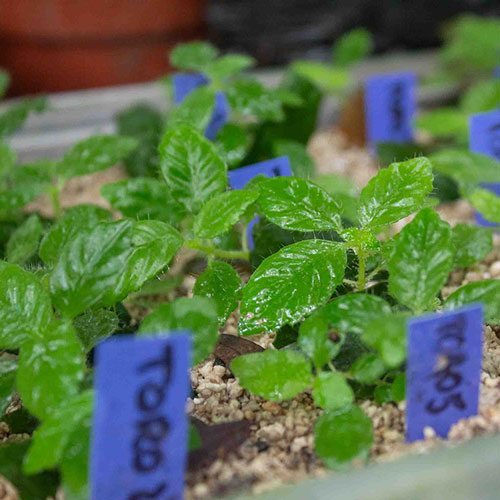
column 443, row 370
column 484, row 138
column 185, row 83
column 496, row 72
column 240, row 177
column 140, row 433
column 390, row 104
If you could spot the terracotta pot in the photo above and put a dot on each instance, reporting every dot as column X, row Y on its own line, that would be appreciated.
column 53, row 45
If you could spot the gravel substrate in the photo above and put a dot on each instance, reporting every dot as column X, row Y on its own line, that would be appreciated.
column 280, row 448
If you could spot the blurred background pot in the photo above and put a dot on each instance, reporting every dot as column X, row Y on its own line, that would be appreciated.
column 53, row 45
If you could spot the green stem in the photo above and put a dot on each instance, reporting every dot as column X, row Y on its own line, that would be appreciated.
column 361, row 272
column 54, row 192
column 216, row 252
column 244, row 239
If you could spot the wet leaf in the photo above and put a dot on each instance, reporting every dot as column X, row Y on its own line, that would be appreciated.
column 198, row 315
column 229, row 347
column 98, row 152
column 395, row 192
column 297, row 204
column 290, row 284
column 332, row 392
column 50, row 369
column 351, row 313
column 93, row 327
column 486, row 291
column 89, row 267
column 143, row 198
column 23, row 244
column 76, row 220
column 472, row 243
column 221, row 283
column 222, row 212
column 341, row 436
column 274, row 375
column 191, row 166
column 421, row 260
column 25, row 306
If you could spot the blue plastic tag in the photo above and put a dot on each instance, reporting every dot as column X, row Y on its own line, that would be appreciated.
column 240, row 177
column 390, row 104
column 184, row 83
column 496, row 72
column 443, row 370
column 484, row 138
column 140, row 434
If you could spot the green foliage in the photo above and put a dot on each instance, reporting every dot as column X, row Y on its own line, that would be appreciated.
column 194, row 56
column 297, row 204
column 395, row 192
column 196, row 109
column 487, row 203
column 4, row 82
column 221, row 283
column 341, row 436
column 232, row 143
column 332, row 392
column 198, row 315
column 191, row 166
column 222, row 212
column 421, row 259
column 313, row 341
column 291, row 283
column 368, row 368
column 93, row 327
column 445, row 122
column 472, row 243
column 481, row 97
column 301, row 163
column 16, row 114
column 352, row 47
column 8, row 371
column 23, row 244
column 274, row 375
column 325, row 77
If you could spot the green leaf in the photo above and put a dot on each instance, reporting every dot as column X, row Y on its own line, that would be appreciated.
column 352, row 47
column 313, row 341
column 300, row 161
column 92, row 327
column 351, row 313
column 76, row 220
column 486, row 291
column 383, row 394
column 487, row 203
column 90, row 267
column 4, row 82
column 387, row 335
column 193, row 56
column 332, row 392
column 232, row 143
column 421, row 260
column 341, row 436
column 194, row 442
column 191, row 166
column 222, row 212
column 228, row 65
column 360, row 240
column 51, row 440
column 472, row 243
column 297, row 204
column 8, row 158
column 23, row 244
column 16, row 114
column 398, row 388
column 195, row 110
column 445, row 122
column 154, row 245
column 327, row 78
column 291, row 284
column 50, row 368
column 274, row 375
column 8, row 370
column 95, row 153
column 32, row 487
column 221, row 283
column 368, row 368
column 481, row 97
column 250, row 98
column 25, row 306
column 465, row 166
column 199, row 315
column 143, row 198
column 395, row 192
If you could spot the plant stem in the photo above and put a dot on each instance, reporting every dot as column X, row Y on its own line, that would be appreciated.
column 216, row 252
column 54, row 192
column 361, row 272
column 244, row 238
